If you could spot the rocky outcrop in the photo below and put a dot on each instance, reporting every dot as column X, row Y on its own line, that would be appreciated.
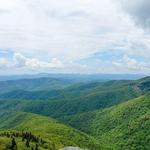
column 72, row 148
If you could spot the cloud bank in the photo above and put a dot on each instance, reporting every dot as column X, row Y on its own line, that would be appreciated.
column 139, row 10
column 20, row 61
column 75, row 36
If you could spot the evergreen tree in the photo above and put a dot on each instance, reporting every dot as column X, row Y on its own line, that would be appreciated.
column 27, row 143
column 13, row 144
column 36, row 147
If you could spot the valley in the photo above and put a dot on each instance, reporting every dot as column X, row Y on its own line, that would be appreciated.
column 93, row 115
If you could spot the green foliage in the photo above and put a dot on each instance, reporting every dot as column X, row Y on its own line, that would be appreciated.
column 17, row 144
column 121, row 127
column 105, row 115
column 53, row 132
column 75, row 99
column 36, row 84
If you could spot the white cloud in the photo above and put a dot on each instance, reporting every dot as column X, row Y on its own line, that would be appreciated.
column 45, row 33
column 127, row 63
column 20, row 60
column 139, row 11
column 3, row 63
column 35, row 63
column 68, row 29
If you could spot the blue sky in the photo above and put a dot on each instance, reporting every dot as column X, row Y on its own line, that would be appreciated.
column 74, row 36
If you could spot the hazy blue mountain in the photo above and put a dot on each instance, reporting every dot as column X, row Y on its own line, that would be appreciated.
column 33, row 84
column 76, row 77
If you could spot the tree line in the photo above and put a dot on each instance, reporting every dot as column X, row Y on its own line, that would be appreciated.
column 27, row 138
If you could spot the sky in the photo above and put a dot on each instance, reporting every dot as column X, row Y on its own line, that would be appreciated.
column 74, row 36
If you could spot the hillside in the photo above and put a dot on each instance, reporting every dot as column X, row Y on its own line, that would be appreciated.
column 124, row 126
column 33, row 95
column 77, row 98
column 36, row 84
column 50, row 130
column 40, row 88
column 112, row 114
column 69, row 106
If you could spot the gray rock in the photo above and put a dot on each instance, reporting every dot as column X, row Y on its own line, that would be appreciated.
column 72, row 148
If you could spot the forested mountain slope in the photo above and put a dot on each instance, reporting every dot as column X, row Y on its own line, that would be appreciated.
column 69, row 106
column 124, row 126
column 51, row 131
column 76, row 98
column 33, row 84
column 115, row 113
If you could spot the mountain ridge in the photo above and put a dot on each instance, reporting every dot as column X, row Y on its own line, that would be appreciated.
column 104, row 115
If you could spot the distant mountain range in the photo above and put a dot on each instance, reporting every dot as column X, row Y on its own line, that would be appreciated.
column 93, row 114
column 76, row 77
